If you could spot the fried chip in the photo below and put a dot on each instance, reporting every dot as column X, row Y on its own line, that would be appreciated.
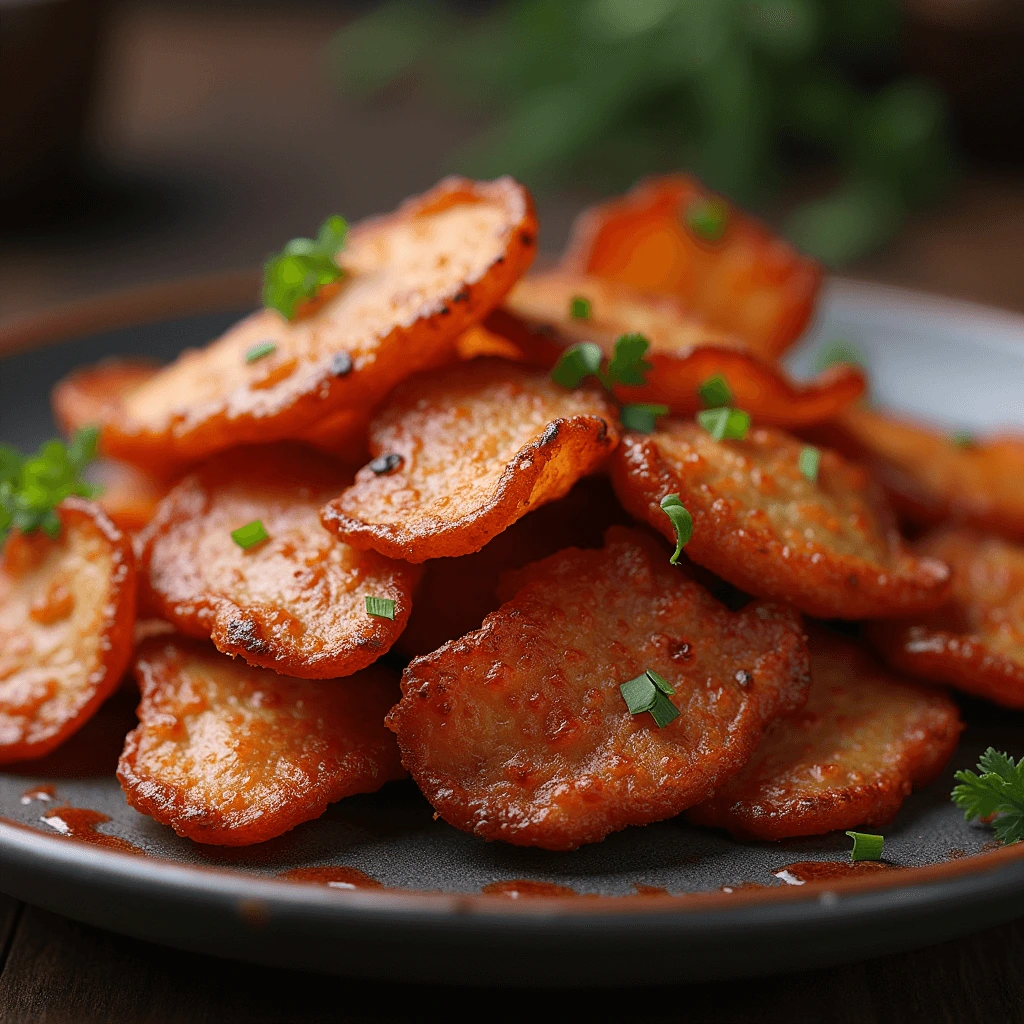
column 67, row 613
column 462, row 453
column 519, row 731
column 89, row 395
column 975, row 642
column 456, row 593
column 827, row 546
column 745, row 281
column 128, row 494
column 933, row 477
column 296, row 602
column 683, row 353
column 864, row 740
column 231, row 755
column 414, row 281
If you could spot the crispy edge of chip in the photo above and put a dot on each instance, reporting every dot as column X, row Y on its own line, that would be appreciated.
column 543, row 470
column 117, row 634
column 83, row 397
column 843, row 587
column 748, row 817
column 423, row 675
column 934, row 652
column 129, row 496
column 662, row 200
column 169, row 806
column 331, row 393
column 895, row 446
column 209, row 614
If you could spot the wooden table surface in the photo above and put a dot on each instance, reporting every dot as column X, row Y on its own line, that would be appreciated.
column 219, row 137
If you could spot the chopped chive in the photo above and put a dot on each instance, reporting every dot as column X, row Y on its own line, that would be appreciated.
column 580, row 308
column 250, row 535
column 810, row 459
column 380, row 608
column 866, row 846
column 642, row 417
column 303, row 267
column 650, row 692
column 627, row 364
column 260, row 351
column 962, row 439
column 681, row 520
column 725, row 424
column 576, row 364
column 707, row 218
column 715, row 392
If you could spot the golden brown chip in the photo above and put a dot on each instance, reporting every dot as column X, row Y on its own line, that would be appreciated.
column 456, row 593
column 976, row 640
column 519, row 731
column 743, row 279
column 683, row 353
column 414, row 281
column 67, row 612
column 295, row 602
column 232, row 755
column 90, row 394
column 865, row 739
column 827, row 546
column 933, row 477
column 462, row 453
column 129, row 495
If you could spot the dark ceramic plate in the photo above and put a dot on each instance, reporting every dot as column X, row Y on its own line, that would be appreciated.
column 380, row 889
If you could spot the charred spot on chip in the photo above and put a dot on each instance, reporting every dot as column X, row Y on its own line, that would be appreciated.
column 385, row 463
column 243, row 633
column 680, row 650
column 341, row 364
column 462, row 296
column 526, row 238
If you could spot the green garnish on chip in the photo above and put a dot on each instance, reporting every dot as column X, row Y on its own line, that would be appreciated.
column 642, row 417
column 962, row 439
column 715, row 392
column 380, row 608
column 810, row 460
column 250, row 535
column 303, row 267
column 725, row 424
column 580, row 308
column 31, row 487
column 264, row 348
column 707, row 218
column 626, row 366
column 681, row 520
column 650, row 692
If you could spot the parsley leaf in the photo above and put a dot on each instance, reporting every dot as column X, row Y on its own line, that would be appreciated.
column 303, row 267
column 998, row 790
column 715, row 392
column 642, row 417
column 627, row 364
column 576, row 364
column 32, row 486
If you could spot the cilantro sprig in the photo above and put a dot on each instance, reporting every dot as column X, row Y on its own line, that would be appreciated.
column 997, row 792
column 626, row 365
column 31, row 487
column 303, row 267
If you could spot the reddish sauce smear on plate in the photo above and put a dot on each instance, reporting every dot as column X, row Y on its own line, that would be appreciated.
column 81, row 823
column 335, row 876
column 829, row 870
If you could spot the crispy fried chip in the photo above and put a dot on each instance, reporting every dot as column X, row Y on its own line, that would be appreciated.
column 865, row 739
column 295, row 602
column 683, row 353
column 932, row 477
column 519, row 731
column 745, row 281
column 67, row 612
column 89, row 395
column 826, row 546
column 976, row 641
column 462, row 453
column 456, row 593
column 415, row 280
column 232, row 755
column 129, row 495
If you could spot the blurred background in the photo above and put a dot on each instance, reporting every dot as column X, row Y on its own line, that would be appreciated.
column 145, row 141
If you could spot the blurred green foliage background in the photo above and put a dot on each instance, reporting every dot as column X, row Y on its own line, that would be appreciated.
column 749, row 95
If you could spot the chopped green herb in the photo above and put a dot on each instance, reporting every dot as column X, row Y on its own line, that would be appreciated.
column 627, row 365
column 836, row 352
column 264, row 348
column 303, row 267
column 998, row 791
column 962, row 439
column 250, row 535
column 810, row 460
column 380, row 608
column 681, row 520
column 32, row 487
column 725, row 424
column 642, row 417
column 576, row 364
column 866, row 846
column 650, row 692
column 707, row 218
column 579, row 308
column 715, row 392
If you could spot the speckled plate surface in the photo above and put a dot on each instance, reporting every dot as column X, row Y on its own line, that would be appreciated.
column 378, row 888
